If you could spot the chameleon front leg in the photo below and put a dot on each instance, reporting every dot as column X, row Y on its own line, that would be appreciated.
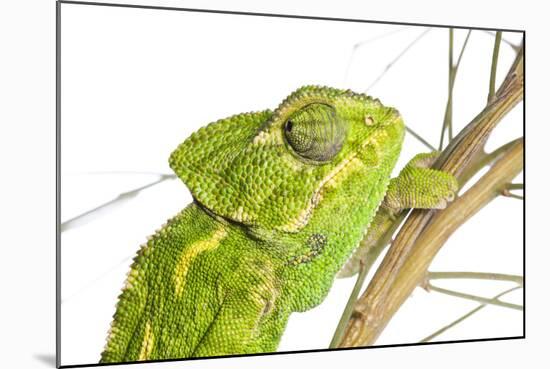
column 416, row 186
column 419, row 186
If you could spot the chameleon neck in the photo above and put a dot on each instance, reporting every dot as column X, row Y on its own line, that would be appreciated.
column 194, row 269
column 309, row 279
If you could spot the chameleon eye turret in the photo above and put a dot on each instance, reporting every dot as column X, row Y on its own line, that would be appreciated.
column 315, row 132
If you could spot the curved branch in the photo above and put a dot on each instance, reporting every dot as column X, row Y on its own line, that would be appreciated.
column 425, row 231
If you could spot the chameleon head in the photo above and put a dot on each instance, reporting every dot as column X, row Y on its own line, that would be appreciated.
column 322, row 153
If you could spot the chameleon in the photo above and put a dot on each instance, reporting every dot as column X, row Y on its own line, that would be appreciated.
column 281, row 201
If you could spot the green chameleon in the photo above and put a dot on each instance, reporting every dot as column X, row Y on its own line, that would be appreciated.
column 281, row 201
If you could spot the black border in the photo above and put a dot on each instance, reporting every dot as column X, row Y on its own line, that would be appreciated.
column 273, row 15
column 58, row 184
column 524, row 171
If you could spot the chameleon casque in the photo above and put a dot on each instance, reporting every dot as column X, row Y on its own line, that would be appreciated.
column 282, row 199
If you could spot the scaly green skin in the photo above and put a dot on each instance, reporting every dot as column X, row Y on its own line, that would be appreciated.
column 281, row 200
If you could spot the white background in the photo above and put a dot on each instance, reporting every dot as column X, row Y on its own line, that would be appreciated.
column 140, row 83
column 28, row 265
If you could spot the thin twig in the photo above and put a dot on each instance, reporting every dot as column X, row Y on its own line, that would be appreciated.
column 475, row 275
column 507, row 42
column 123, row 173
column 85, row 217
column 453, row 69
column 399, row 56
column 387, row 68
column 97, row 279
column 461, row 53
column 419, row 138
column 465, row 316
column 358, row 45
column 454, row 73
column 467, row 296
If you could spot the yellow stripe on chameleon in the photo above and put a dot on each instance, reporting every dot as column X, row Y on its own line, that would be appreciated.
column 191, row 253
column 147, row 344
column 330, row 180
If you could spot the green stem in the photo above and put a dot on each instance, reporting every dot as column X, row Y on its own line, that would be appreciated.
column 366, row 264
column 448, row 108
column 452, row 72
column 512, row 195
column 348, row 310
column 492, row 80
column 514, row 186
column 515, row 47
column 466, row 296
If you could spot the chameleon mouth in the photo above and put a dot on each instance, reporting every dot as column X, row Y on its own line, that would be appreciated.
column 371, row 144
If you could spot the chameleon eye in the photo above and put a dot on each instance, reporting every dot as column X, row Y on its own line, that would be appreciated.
column 288, row 125
column 315, row 132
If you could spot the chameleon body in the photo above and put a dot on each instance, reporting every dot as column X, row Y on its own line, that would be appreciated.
column 281, row 200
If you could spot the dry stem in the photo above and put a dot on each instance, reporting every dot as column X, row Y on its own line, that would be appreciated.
column 425, row 231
